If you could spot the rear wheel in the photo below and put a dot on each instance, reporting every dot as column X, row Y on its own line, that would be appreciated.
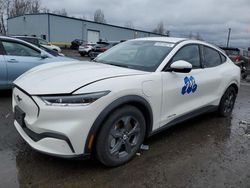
column 82, row 54
column 227, row 102
column 121, row 136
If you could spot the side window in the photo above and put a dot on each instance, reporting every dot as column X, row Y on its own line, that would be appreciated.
column 211, row 57
column 16, row 49
column 190, row 54
column 223, row 58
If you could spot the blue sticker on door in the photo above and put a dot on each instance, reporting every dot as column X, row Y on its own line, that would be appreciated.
column 189, row 85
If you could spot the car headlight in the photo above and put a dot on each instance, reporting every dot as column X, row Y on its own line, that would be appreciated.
column 74, row 100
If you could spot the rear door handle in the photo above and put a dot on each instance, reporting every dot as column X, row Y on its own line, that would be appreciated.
column 12, row 61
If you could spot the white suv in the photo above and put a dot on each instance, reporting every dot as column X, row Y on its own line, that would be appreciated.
column 132, row 91
column 86, row 49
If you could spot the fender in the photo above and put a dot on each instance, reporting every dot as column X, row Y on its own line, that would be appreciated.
column 135, row 100
column 233, row 82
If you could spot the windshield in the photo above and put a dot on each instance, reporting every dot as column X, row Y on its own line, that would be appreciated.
column 139, row 55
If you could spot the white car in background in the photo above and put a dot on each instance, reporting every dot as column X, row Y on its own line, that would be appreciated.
column 134, row 90
column 86, row 48
column 39, row 42
column 50, row 46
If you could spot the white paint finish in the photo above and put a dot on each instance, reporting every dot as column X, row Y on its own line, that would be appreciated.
column 66, row 77
column 181, row 65
column 162, row 90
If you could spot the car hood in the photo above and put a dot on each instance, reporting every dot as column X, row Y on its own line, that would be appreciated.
column 63, row 58
column 64, row 78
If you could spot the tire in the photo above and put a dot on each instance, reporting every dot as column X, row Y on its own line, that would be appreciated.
column 88, row 53
column 227, row 102
column 120, row 136
column 82, row 54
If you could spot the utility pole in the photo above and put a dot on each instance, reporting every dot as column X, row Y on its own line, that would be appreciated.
column 228, row 38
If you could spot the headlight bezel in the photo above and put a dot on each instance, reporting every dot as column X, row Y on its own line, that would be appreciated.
column 84, row 99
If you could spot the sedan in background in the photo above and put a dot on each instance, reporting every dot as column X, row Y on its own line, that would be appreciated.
column 18, row 56
column 40, row 43
column 134, row 90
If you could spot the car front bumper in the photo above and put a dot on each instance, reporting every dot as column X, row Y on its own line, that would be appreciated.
column 57, row 131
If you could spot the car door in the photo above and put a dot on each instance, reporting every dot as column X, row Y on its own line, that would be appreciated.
column 214, row 71
column 19, row 58
column 3, row 70
column 185, row 92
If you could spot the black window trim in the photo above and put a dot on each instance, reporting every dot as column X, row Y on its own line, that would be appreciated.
column 168, row 64
column 2, row 51
column 18, row 42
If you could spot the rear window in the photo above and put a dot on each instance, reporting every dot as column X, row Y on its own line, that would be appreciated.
column 212, row 57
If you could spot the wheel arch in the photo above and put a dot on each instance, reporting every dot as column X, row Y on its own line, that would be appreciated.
column 234, row 85
column 133, row 100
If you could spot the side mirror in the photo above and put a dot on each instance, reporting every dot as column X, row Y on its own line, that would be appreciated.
column 44, row 55
column 181, row 66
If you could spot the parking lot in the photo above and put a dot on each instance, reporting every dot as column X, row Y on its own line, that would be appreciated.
column 207, row 151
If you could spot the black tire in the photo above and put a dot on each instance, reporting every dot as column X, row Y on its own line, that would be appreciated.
column 121, row 136
column 227, row 102
column 82, row 54
column 88, row 53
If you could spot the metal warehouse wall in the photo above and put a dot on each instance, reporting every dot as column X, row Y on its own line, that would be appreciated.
column 65, row 29
column 113, row 33
column 28, row 25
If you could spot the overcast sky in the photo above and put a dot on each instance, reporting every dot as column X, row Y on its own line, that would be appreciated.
column 211, row 18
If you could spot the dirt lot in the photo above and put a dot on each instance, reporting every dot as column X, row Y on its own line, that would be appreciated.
column 207, row 151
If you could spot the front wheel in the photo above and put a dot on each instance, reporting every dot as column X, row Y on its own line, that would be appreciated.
column 227, row 102
column 121, row 136
column 82, row 54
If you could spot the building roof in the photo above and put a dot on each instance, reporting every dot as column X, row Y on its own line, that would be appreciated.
column 89, row 22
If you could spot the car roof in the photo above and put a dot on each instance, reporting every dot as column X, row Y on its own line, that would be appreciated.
column 163, row 39
column 23, row 36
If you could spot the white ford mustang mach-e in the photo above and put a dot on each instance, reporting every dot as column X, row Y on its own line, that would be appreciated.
column 135, row 89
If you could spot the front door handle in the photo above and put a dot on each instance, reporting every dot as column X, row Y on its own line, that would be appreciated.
column 12, row 61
